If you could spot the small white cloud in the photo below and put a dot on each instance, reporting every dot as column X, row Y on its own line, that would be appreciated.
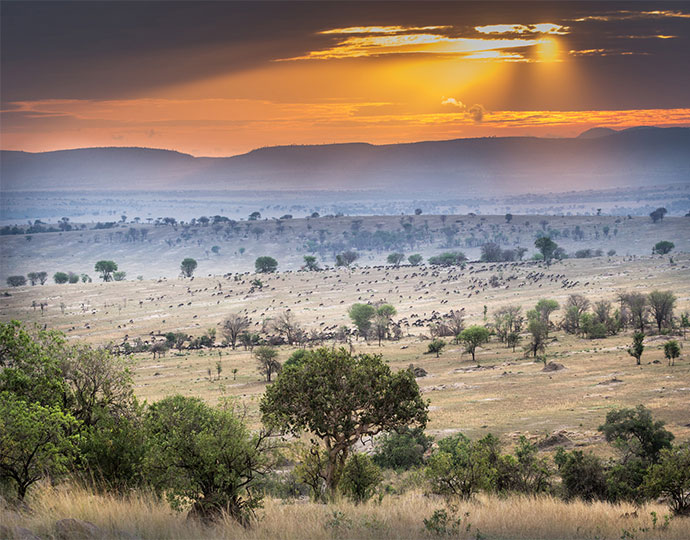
column 476, row 111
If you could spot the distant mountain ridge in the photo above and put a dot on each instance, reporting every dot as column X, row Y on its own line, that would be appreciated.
column 599, row 158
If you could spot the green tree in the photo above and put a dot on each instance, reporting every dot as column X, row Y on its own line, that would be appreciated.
column 582, row 475
column 106, row 269
column 60, row 277
column 361, row 316
column 546, row 247
column 635, row 433
column 637, row 305
column 658, row 214
column 450, row 258
column 435, row 347
column 395, row 258
column 661, row 304
column 637, row 347
column 341, row 398
column 545, row 308
column 415, row 259
column 117, row 276
column 402, row 449
column 17, row 281
column 539, row 331
column 382, row 320
column 34, row 442
column 187, row 267
column 459, row 468
column 360, row 477
column 265, row 265
column 671, row 351
column 310, row 263
column 473, row 337
column 267, row 357
column 663, row 247
column 346, row 258
column 671, row 478
column 205, row 456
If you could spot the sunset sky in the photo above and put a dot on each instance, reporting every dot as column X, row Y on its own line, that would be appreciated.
column 222, row 78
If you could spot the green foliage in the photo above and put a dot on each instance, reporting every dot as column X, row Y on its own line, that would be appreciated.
column 267, row 357
column 539, row 331
column 361, row 316
column 444, row 523
column 395, row 258
column 637, row 347
column 346, row 258
column 635, row 434
column 311, row 471
column 402, row 449
column 473, row 337
column 205, row 456
column 436, row 346
column 449, row 258
column 663, row 247
column 34, row 441
column 106, row 269
column 415, row 259
column 582, row 475
column 671, row 351
column 17, row 281
column 546, row 247
column 310, row 263
column 591, row 328
column 341, row 398
column 671, row 478
column 187, row 267
column 265, row 265
column 296, row 358
column 459, row 468
column 60, row 277
column 359, row 478
column 117, row 276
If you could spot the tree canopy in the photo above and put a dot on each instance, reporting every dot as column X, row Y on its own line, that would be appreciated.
column 341, row 398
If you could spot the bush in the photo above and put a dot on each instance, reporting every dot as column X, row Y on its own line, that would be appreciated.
column 582, row 475
column 459, row 468
column 402, row 450
column 73, row 278
column 450, row 258
column 16, row 281
column 206, row 456
column 671, row 478
column 360, row 478
column 60, row 277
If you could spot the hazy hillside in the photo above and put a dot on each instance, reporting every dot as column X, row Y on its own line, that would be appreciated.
column 599, row 158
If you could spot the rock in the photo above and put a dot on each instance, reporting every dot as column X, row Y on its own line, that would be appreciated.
column 76, row 529
column 418, row 371
column 553, row 366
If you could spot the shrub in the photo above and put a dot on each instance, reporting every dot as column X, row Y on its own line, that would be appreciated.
column 450, row 258
column 60, row 277
column 436, row 346
column 206, row 456
column 360, row 478
column 671, row 478
column 582, row 475
column 403, row 449
column 459, row 468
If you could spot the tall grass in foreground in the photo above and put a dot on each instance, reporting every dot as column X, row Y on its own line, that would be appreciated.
column 514, row 517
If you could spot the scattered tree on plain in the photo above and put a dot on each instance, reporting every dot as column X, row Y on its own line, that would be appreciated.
column 265, row 265
column 473, row 337
column 106, row 269
column 233, row 326
column 341, row 398
column 661, row 304
column 187, row 267
column 637, row 347
column 663, row 247
column 267, row 357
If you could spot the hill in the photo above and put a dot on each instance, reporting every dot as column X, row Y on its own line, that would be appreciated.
column 482, row 166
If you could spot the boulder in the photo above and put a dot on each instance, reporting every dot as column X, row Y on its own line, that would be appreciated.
column 76, row 529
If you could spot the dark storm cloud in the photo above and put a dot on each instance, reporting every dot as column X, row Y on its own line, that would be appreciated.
column 98, row 50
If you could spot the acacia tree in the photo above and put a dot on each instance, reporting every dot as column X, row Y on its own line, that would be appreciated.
column 233, row 326
column 395, row 258
column 637, row 347
column 106, row 269
column 286, row 325
column 637, row 305
column 310, row 263
column 361, row 315
column 546, row 246
column 663, row 247
column 187, row 267
column 267, row 358
column 671, row 351
column 473, row 337
column 661, row 305
column 382, row 320
column 265, row 265
column 342, row 398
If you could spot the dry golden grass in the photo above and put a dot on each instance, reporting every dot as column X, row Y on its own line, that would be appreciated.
column 396, row 516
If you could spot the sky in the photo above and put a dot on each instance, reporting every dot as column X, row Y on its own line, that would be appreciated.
column 223, row 78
